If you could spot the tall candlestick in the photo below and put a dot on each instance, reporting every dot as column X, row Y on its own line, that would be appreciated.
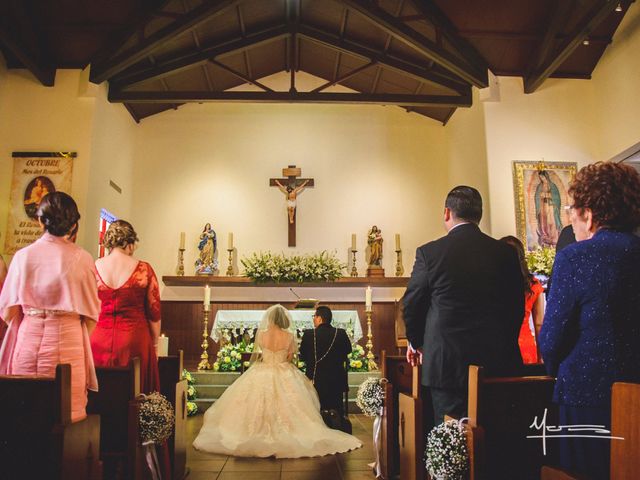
column 353, row 241
column 367, row 299
column 230, row 242
column 207, row 297
column 397, row 241
column 182, row 240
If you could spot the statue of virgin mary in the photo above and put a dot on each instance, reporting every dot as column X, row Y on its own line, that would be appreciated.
column 207, row 262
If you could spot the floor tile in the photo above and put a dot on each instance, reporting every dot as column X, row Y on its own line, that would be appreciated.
column 206, row 465
column 349, row 464
column 307, row 464
column 237, row 464
column 248, row 476
column 203, row 475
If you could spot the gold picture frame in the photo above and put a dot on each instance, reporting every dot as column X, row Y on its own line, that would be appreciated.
column 540, row 194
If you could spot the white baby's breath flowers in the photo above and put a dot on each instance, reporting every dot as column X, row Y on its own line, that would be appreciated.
column 446, row 455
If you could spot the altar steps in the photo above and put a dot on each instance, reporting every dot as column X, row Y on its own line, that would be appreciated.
column 211, row 385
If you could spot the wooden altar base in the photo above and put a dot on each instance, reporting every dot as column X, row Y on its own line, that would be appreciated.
column 375, row 272
column 211, row 385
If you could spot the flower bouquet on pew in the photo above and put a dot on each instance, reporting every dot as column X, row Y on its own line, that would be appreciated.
column 446, row 455
column 370, row 399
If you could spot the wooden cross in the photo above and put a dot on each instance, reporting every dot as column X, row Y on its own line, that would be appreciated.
column 292, row 186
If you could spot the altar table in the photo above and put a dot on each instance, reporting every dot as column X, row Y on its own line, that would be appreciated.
column 235, row 323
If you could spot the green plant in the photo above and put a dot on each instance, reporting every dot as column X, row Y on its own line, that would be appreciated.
column 540, row 260
column 230, row 356
column 269, row 267
column 356, row 360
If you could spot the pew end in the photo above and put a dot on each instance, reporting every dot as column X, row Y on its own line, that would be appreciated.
column 174, row 388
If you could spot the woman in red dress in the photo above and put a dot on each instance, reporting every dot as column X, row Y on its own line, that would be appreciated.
column 533, row 308
column 129, row 323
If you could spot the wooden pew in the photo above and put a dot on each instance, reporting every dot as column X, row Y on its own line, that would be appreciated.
column 501, row 411
column 115, row 402
column 37, row 438
column 625, row 423
column 402, row 432
column 174, row 388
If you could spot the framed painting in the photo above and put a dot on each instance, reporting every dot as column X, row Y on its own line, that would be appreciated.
column 540, row 192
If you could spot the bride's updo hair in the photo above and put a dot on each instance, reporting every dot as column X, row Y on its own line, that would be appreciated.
column 58, row 213
column 280, row 317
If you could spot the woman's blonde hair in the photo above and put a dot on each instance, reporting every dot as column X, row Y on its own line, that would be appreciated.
column 119, row 234
column 280, row 317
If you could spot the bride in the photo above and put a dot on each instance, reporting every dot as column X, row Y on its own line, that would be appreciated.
column 273, row 408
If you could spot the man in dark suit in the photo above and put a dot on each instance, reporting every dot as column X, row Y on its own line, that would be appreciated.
column 324, row 350
column 464, row 305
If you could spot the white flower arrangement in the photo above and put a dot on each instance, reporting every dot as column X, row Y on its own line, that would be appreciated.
column 446, row 454
column 269, row 267
column 156, row 419
column 356, row 360
column 540, row 260
column 229, row 357
column 371, row 396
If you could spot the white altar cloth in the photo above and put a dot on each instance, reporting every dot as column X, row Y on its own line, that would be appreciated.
column 234, row 323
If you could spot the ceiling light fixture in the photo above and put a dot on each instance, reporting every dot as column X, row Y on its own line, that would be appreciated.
column 619, row 7
column 585, row 41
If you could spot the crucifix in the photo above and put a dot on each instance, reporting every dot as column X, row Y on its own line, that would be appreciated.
column 292, row 186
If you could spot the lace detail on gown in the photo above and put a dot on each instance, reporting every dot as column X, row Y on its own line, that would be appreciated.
column 271, row 410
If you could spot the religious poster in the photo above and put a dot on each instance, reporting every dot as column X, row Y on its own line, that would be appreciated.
column 34, row 175
column 540, row 190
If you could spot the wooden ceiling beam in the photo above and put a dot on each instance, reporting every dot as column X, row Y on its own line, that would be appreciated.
column 441, row 22
column 191, row 20
column 521, row 37
column 31, row 60
column 120, row 37
column 415, row 40
column 182, row 62
column 445, row 101
column 590, row 22
column 401, row 66
column 241, row 76
column 344, row 77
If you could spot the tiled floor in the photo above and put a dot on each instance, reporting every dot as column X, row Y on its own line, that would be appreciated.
column 347, row 466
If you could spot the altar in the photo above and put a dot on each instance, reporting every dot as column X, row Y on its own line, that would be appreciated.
column 231, row 324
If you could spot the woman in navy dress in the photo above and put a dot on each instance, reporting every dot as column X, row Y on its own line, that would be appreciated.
column 590, row 337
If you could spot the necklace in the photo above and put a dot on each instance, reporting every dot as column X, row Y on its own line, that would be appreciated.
column 315, row 352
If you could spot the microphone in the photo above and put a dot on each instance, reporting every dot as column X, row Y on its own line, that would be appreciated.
column 292, row 291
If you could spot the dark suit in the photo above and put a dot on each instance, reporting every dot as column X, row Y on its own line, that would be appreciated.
column 464, row 305
column 331, row 375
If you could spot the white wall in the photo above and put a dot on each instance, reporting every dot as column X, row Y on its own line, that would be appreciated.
column 212, row 163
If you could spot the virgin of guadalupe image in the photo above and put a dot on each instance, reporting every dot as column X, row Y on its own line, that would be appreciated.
column 547, row 202
column 207, row 264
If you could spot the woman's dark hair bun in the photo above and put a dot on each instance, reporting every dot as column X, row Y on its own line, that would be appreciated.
column 58, row 213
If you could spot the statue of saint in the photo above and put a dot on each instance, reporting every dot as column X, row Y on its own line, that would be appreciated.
column 291, row 194
column 374, row 240
column 207, row 263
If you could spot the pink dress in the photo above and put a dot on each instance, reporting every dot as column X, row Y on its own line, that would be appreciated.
column 53, row 283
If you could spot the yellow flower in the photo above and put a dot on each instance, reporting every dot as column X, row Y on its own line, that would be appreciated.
column 246, row 364
column 352, row 364
column 358, row 364
column 233, row 368
column 216, row 366
column 227, row 360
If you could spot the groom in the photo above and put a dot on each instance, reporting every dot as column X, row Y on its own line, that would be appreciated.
column 324, row 350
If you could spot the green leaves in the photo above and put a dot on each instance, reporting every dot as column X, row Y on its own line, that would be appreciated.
column 268, row 267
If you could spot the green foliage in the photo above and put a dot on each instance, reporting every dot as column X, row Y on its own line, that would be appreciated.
column 356, row 360
column 230, row 356
column 540, row 260
column 192, row 393
column 269, row 267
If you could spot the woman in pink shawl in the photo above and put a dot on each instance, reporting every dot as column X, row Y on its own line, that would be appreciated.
column 50, row 302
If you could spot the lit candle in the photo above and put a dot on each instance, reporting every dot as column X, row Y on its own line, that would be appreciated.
column 207, row 297
column 163, row 346
column 367, row 299
column 353, row 241
column 181, row 240
column 397, row 241
column 230, row 242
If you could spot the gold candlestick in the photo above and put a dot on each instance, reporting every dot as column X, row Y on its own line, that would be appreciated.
column 230, row 267
column 399, row 267
column 354, row 270
column 204, row 358
column 371, row 363
column 180, row 267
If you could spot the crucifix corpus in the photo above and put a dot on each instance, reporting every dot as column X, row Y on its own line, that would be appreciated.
column 291, row 186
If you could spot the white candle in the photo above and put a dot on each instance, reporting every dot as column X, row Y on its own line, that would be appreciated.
column 181, row 240
column 397, row 241
column 367, row 299
column 230, row 242
column 163, row 346
column 353, row 241
column 207, row 297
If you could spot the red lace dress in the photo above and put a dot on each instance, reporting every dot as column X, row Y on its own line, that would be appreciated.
column 123, row 331
column 527, row 339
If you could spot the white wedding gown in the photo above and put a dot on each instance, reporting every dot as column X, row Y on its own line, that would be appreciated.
column 271, row 410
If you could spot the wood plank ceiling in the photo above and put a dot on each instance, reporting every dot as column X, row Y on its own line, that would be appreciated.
column 422, row 55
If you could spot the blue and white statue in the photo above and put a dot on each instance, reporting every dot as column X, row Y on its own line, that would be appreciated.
column 207, row 262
